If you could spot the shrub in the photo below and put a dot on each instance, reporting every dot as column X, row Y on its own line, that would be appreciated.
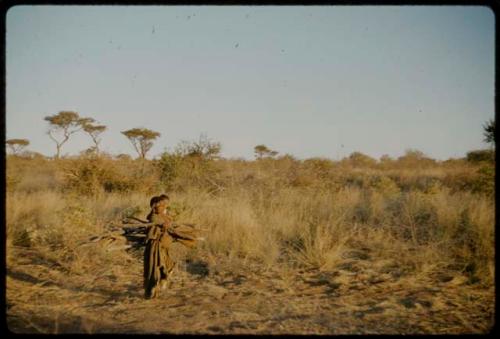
column 178, row 171
column 85, row 175
column 355, row 179
column 170, row 167
column 415, row 159
column 481, row 155
column 273, row 210
column 425, row 183
column 92, row 176
column 358, row 159
column 484, row 182
column 11, row 182
column 384, row 185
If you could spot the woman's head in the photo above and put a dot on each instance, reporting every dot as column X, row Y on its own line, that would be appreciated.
column 159, row 203
column 153, row 201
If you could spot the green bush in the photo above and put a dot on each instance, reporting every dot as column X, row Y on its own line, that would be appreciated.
column 170, row 167
column 178, row 171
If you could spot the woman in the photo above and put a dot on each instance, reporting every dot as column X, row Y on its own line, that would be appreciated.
column 158, row 264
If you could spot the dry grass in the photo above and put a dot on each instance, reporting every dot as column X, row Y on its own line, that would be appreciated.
column 417, row 225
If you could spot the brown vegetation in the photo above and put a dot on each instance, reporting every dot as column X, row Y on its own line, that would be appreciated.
column 356, row 246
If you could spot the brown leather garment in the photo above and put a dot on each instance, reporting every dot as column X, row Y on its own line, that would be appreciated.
column 157, row 262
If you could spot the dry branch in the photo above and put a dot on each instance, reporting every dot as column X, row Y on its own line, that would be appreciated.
column 133, row 231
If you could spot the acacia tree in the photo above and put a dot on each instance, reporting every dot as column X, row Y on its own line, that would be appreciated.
column 489, row 132
column 66, row 123
column 16, row 145
column 142, row 139
column 94, row 131
column 263, row 151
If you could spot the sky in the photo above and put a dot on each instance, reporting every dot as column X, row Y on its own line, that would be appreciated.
column 310, row 81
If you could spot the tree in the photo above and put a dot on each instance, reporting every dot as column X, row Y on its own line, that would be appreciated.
column 141, row 139
column 94, row 131
column 204, row 148
column 489, row 132
column 262, row 151
column 17, row 145
column 66, row 123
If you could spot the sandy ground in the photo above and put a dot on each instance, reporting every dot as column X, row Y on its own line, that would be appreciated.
column 208, row 296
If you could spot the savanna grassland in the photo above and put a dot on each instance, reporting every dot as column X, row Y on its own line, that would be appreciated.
column 396, row 246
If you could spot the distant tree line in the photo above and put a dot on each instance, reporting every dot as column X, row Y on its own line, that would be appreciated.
column 66, row 123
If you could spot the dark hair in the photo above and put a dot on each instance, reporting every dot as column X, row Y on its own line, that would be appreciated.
column 157, row 199
column 163, row 197
column 154, row 200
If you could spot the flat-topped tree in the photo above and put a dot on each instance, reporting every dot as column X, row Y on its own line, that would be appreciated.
column 65, row 123
column 142, row 139
column 94, row 131
column 17, row 145
column 262, row 151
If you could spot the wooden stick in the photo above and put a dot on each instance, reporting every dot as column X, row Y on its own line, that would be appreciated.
column 136, row 235
column 137, row 219
column 125, row 225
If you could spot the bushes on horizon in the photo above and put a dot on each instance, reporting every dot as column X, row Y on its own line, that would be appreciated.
column 415, row 159
column 358, row 159
column 484, row 155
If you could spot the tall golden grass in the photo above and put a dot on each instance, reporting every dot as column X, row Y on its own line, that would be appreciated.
column 424, row 219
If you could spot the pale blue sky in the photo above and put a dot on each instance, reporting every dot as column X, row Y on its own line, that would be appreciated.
column 303, row 80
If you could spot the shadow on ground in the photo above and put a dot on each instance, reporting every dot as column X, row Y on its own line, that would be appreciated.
column 197, row 267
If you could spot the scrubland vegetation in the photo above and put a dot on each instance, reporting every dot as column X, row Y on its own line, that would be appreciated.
column 419, row 218
column 429, row 216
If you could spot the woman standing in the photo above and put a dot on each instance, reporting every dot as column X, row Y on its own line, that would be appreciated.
column 158, row 265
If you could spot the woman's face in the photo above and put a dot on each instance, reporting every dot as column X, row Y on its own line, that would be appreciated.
column 161, row 207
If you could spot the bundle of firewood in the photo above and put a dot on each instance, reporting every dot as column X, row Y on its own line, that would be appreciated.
column 133, row 231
